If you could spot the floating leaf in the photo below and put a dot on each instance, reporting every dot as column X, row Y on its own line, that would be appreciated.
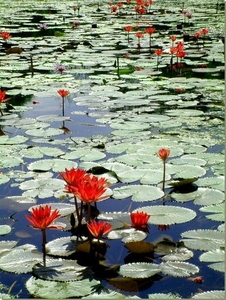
column 57, row 165
column 139, row 193
column 210, row 295
column 5, row 229
column 218, row 211
column 7, row 245
column 178, row 269
column 179, row 254
column 139, row 270
column 20, row 259
column 64, row 246
column 202, row 196
column 163, row 296
column 40, row 288
column 167, row 215
column 59, row 270
column 41, row 187
column 203, row 239
column 127, row 235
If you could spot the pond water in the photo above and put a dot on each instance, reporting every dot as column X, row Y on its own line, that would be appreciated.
column 125, row 103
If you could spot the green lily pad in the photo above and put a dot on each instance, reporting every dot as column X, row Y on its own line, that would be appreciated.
column 203, row 239
column 139, row 270
column 178, row 269
column 138, row 193
column 20, row 259
column 40, row 288
column 167, row 215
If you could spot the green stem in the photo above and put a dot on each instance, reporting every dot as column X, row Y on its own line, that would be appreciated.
column 164, row 175
column 44, row 246
column 76, row 208
column 63, row 106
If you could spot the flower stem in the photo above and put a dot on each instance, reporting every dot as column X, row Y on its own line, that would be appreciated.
column 63, row 106
column 76, row 208
column 44, row 246
column 164, row 175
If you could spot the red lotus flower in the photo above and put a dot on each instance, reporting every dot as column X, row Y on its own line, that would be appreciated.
column 63, row 93
column 158, row 52
column 119, row 4
column 128, row 28
column 5, row 35
column 73, row 176
column 181, row 54
column 163, row 153
column 173, row 38
column 204, row 31
column 180, row 46
column 42, row 218
column 150, row 30
column 2, row 97
column 139, row 219
column 99, row 228
column 114, row 8
column 92, row 189
column 139, row 34
column 173, row 50
column 197, row 35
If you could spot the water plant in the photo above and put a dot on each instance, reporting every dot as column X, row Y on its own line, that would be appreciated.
column 159, row 236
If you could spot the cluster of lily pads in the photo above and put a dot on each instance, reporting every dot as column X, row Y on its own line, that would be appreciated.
column 84, row 50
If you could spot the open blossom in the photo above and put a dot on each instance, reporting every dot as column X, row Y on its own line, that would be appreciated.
column 5, row 35
column 60, row 68
column 91, row 189
column 173, row 38
column 43, row 26
column 150, row 30
column 204, row 31
column 2, row 97
column 63, row 93
column 99, row 228
column 139, row 219
column 128, row 28
column 181, row 54
column 158, row 52
column 42, row 218
column 139, row 34
column 163, row 153
column 73, row 176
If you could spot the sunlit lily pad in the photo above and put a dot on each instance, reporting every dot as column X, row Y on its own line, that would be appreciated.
column 44, row 288
column 61, row 247
column 217, row 210
column 203, row 196
column 203, row 239
column 167, row 215
column 178, row 269
column 5, row 229
column 139, row 193
column 139, row 270
column 57, row 165
column 20, row 259
column 59, row 270
column 210, row 295
column 127, row 235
